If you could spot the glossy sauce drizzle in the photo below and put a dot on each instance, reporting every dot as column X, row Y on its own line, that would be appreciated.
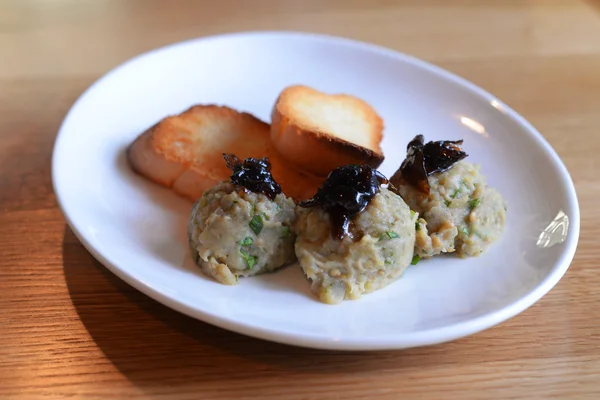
column 423, row 160
column 253, row 174
column 346, row 192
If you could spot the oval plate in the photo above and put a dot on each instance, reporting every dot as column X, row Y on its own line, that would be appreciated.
column 138, row 229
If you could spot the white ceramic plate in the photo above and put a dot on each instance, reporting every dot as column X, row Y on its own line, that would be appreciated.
column 138, row 229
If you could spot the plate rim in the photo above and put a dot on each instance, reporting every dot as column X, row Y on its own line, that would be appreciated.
column 407, row 340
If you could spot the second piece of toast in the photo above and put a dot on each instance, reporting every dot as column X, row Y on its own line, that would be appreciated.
column 318, row 132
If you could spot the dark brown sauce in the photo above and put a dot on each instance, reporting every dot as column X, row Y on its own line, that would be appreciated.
column 423, row 160
column 346, row 192
column 254, row 174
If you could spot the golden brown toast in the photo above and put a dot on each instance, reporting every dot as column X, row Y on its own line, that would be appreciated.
column 185, row 151
column 318, row 132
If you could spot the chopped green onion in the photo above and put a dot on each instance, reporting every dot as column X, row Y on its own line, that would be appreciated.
column 412, row 213
column 389, row 234
column 247, row 241
column 474, row 203
column 447, row 203
column 250, row 260
column 455, row 193
column 256, row 224
column 418, row 226
column 285, row 232
column 416, row 258
column 464, row 230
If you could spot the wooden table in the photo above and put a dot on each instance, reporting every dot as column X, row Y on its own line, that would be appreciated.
column 69, row 328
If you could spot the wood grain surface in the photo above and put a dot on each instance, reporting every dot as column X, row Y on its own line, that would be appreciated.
column 70, row 329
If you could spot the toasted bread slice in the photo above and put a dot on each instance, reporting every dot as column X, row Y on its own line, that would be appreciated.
column 318, row 132
column 185, row 151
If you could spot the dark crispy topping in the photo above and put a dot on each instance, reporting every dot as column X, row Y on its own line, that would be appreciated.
column 423, row 160
column 254, row 174
column 346, row 192
column 442, row 155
